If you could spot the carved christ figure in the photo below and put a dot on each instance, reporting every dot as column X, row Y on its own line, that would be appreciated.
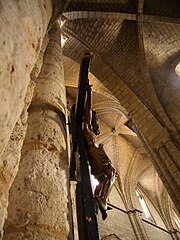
column 101, row 166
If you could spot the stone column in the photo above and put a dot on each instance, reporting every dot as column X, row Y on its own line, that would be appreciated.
column 38, row 203
column 23, row 26
column 10, row 158
column 175, row 234
column 165, row 155
column 136, row 221
column 9, row 166
column 74, row 210
column 167, row 158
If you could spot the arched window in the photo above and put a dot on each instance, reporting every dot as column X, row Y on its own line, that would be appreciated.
column 63, row 40
column 144, row 206
column 177, row 69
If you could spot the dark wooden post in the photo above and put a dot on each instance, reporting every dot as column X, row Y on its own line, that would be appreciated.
column 87, row 222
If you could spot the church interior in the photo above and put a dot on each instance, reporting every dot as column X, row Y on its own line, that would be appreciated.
column 135, row 76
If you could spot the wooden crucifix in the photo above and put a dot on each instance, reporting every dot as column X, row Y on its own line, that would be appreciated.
column 85, row 128
column 87, row 222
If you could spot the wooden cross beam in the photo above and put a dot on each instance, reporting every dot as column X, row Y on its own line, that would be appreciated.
column 87, row 222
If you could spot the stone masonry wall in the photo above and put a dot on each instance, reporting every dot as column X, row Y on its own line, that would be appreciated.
column 156, row 233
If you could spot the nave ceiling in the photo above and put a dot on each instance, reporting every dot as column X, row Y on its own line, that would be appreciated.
column 135, row 43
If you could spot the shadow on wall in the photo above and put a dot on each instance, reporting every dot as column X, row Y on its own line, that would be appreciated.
column 110, row 237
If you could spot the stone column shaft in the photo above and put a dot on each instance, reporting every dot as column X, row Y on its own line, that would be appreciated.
column 23, row 26
column 9, row 166
column 12, row 153
column 165, row 158
column 39, row 197
column 137, row 225
column 175, row 235
column 74, row 210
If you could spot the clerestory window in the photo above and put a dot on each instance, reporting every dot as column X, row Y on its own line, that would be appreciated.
column 63, row 39
column 177, row 69
column 144, row 206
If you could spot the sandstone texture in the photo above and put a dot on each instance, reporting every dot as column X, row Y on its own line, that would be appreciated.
column 19, row 52
column 40, row 209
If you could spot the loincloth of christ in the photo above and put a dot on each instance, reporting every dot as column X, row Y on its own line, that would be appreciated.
column 101, row 166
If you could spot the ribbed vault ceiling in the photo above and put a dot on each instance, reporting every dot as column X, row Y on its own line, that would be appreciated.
column 120, row 142
column 137, row 42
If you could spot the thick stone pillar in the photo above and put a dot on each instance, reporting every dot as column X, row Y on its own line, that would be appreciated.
column 38, row 203
column 23, row 26
column 9, row 166
column 136, row 221
column 10, row 158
